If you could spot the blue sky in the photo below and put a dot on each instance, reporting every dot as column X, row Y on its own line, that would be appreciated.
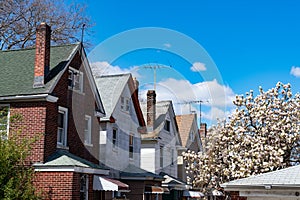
column 234, row 45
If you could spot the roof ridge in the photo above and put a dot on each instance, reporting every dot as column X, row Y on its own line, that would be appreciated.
column 112, row 75
column 31, row 48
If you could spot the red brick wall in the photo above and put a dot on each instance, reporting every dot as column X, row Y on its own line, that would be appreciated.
column 31, row 124
column 235, row 195
column 57, row 185
column 79, row 105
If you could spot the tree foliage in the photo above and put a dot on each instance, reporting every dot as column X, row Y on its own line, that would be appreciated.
column 261, row 135
column 19, row 19
column 16, row 178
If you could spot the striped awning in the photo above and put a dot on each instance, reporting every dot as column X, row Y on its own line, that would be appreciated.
column 107, row 184
column 194, row 194
column 154, row 189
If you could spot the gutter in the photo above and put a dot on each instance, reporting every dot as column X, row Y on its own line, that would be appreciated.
column 35, row 97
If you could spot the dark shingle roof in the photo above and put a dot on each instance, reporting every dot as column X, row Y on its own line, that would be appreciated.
column 17, row 70
column 134, row 171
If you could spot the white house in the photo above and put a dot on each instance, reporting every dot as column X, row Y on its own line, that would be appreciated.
column 120, row 140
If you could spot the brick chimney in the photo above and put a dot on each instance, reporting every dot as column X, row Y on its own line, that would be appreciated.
column 42, row 54
column 203, row 130
column 151, row 107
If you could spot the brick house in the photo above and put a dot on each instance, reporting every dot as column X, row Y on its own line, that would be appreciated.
column 53, row 89
column 120, row 143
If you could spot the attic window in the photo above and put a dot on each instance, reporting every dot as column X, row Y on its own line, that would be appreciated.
column 75, row 80
column 167, row 125
column 125, row 104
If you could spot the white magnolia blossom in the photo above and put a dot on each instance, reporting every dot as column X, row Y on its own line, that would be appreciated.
column 261, row 135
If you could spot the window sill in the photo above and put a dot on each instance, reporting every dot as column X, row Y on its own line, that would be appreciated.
column 76, row 91
column 61, row 146
column 88, row 144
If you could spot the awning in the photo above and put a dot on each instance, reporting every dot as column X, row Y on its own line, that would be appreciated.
column 154, row 189
column 195, row 194
column 107, row 184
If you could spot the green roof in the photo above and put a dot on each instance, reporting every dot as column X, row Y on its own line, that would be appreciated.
column 17, row 70
column 65, row 158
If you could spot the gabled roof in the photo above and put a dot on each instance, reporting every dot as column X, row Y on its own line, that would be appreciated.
column 17, row 70
column 185, row 124
column 134, row 172
column 162, row 109
column 63, row 158
column 111, row 87
column 288, row 177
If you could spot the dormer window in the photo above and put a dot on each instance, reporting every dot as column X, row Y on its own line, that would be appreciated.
column 75, row 80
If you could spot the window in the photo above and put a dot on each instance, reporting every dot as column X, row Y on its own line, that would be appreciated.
column 115, row 137
column 161, row 156
column 88, row 130
column 75, row 80
column 84, row 186
column 131, row 146
column 172, row 156
column 191, row 136
column 125, row 104
column 62, row 126
column 4, row 120
column 167, row 125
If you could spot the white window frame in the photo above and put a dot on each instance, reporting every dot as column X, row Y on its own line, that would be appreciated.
column 172, row 156
column 72, row 79
column 8, row 119
column 88, row 130
column 131, row 145
column 125, row 104
column 63, row 111
column 161, row 156
column 86, row 189
column 114, row 141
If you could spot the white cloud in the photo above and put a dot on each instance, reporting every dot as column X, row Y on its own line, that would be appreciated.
column 104, row 68
column 182, row 92
column 167, row 45
column 295, row 71
column 198, row 66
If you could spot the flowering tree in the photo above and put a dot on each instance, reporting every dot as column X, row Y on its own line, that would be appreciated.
column 261, row 135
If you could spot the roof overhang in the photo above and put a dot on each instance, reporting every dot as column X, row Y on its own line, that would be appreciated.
column 28, row 98
column 42, row 168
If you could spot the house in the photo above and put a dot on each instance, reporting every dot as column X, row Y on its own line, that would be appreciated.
column 120, row 136
column 53, row 89
column 161, row 141
column 191, row 141
column 275, row 185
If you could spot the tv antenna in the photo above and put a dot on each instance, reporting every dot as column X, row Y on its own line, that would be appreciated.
column 200, row 107
column 154, row 67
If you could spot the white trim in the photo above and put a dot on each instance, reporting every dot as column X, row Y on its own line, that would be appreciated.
column 8, row 117
column 41, row 168
column 65, row 111
column 88, row 140
column 46, row 97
